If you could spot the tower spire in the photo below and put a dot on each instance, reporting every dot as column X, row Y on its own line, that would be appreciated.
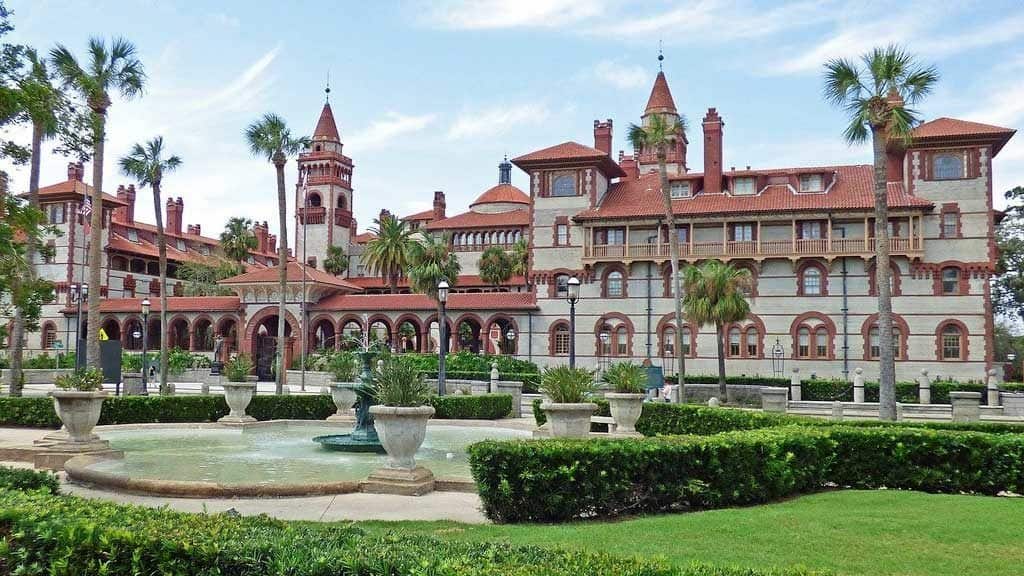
column 327, row 88
column 661, row 55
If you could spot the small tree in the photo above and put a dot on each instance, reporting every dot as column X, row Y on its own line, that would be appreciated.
column 495, row 266
column 715, row 295
column 387, row 254
column 238, row 240
column 336, row 261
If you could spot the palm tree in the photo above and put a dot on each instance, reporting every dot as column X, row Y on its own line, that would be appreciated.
column 387, row 254
column 495, row 266
column 520, row 257
column 658, row 135
column 430, row 260
column 147, row 165
column 874, row 94
column 715, row 295
column 238, row 240
column 107, row 69
column 270, row 138
column 40, row 103
column 336, row 261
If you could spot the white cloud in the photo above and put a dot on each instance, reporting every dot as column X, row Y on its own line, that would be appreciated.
column 496, row 14
column 618, row 74
column 222, row 19
column 385, row 130
column 496, row 120
column 246, row 87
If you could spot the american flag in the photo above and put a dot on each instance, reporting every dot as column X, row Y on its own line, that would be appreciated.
column 86, row 209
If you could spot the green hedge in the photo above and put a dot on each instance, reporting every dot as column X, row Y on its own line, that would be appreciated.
column 731, row 380
column 65, row 535
column 23, row 479
column 479, row 407
column 663, row 418
column 906, row 392
column 559, row 480
column 603, row 409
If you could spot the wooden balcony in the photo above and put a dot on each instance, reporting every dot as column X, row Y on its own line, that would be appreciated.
column 312, row 215
column 754, row 250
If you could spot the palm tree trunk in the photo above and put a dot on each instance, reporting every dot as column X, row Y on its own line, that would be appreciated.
column 18, row 330
column 282, row 268
column 161, row 242
column 886, row 360
column 92, row 341
column 722, row 391
column 673, row 251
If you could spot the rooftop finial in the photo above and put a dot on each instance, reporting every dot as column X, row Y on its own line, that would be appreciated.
column 661, row 56
column 327, row 88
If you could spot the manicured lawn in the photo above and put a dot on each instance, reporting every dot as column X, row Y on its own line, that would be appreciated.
column 848, row 532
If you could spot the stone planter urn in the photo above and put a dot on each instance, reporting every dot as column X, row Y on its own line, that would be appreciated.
column 79, row 411
column 569, row 420
column 344, row 396
column 626, row 409
column 401, row 431
column 238, row 395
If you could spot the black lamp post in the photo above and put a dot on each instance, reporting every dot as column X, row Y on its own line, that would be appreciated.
column 511, row 337
column 573, row 296
column 442, row 330
column 778, row 359
column 79, row 294
column 145, row 338
column 604, row 344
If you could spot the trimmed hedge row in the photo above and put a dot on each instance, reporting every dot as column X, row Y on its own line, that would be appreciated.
column 479, row 407
column 560, row 480
column 24, row 479
column 36, row 412
column 48, row 534
column 906, row 392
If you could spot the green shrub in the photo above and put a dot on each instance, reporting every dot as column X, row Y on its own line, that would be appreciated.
column 290, row 407
column 479, row 407
column 906, row 392
column 626, row 377
column 238, row 367
column 399, row 383
column 23, row 479
column 81, row 380
column 565, row 385
column 44, row 361
column 343, row 366
column 663, row 418
column 45, row 534
column 731, row 380
column 30, row 412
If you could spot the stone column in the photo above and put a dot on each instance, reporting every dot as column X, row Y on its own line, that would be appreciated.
column 514, row 389
column 837, row 410
column 774, row 399
column 924, row 388
column 858, row 385
column 992, row 384
column 794, row 385
column 966, row 406
column 494, row 378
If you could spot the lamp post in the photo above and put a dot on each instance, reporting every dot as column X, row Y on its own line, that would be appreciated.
column 145, row 337
column 442, row 330
column 573, row 296
column 778, row 359
column 1011, row 357
column 305, row 262
column 604, row 344
column 511, row 337
column 79, row 294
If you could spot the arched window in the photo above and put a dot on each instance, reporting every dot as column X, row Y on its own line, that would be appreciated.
column 668, row 341
column 734, row 342
column 875, row 346
column 560, row 340
column 563, row 185
column 684, row 340
column 314, row 200
column 606, row 341
column 49, row 335
column 952, row 345
column 342, row 203
column 613, row 285
column 821, row 342
column 621, row 341
column 811, row 281
column 948, row 167
column 950, row 281
column 753, row 343
column 562, row 286
column 803, row 349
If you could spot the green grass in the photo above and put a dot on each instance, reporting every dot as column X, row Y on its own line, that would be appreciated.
column 848, row 532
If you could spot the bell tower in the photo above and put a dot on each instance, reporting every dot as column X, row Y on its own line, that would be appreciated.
column 662, row 105
column 323, row 196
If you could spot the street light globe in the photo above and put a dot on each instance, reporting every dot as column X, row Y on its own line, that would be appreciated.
column 442, row 291
column 604, row 337
column 85, row 290
column 511, row 334
column 145, row 306
column 574, row 289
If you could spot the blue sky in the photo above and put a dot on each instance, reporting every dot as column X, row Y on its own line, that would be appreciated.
column 430, row 95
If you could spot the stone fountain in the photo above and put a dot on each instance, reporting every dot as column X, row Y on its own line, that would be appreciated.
column 363, row 437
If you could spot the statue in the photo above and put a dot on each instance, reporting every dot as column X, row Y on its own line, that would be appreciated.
column 218, row 348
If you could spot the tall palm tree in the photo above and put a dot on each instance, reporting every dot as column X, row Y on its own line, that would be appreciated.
column 270, row 138
column 495, row 266
column 658, row 134
column 387, row 254
column 107, row 69
column 147, row 165
column 875, row 95
column 430, row 260
column 336, row 261
column 40, row 103
column 238, row 240
column 715, row 295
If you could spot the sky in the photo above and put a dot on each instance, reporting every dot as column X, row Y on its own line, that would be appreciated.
column 431, row 95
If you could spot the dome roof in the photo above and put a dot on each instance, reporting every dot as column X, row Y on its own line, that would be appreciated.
column 502, row 194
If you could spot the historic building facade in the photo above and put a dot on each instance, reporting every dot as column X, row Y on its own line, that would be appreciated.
column 804, row 233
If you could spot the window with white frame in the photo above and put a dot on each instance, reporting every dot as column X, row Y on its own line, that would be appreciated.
column 180, row 245
column 743, row 232
column 133, row 235
column 810, row 183
column 734, row 342
column 811, row 230
column 950, row 224
column 948, row 167
column 680, row 189
column 616, row 236
column 812, row 281
column 874, row 341
column 950, row 281
column 562, row 234
column 743, row 186
column 562, row 340
column 752, row 342
column 668, row 341
column 562, row 286
column 952, row 342
column 614, row 285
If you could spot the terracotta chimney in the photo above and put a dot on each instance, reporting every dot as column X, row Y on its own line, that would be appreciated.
column 439, row 205
column 175, row 207
column 713, row 125
column 260, row 231
column 119, row 214
column 629, row 166
column 76, row 171
column 272, row 243
column 603, row 136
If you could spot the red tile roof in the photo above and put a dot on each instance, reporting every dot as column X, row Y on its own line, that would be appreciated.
column 953, row 129
column 464, row 280
column 143, row 248
column 294, row 273
column 482, row 220
column 661, row 97
column 326, row 129
column 420, row 216
column 174, row 304
column 569, row 152
column 363, row 237
column 501, row 301
column 69, row 188
column 502, row 193
column 852, row 190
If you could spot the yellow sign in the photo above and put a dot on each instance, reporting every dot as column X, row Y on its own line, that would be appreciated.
column 103, row 335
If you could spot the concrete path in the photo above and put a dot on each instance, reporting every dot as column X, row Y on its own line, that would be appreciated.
column 456, row 506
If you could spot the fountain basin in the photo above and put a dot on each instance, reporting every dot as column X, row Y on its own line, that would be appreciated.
column 348, row 443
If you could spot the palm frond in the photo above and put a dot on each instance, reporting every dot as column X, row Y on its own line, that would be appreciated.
column 842, row 81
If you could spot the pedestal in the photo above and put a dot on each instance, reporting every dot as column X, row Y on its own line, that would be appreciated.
column 415, row 482
column 774, row 399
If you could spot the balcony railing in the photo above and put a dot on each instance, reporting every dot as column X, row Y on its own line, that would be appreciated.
column 313, row 215
column 835, row 247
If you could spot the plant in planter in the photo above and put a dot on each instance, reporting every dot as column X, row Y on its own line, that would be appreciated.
column 78, row 402
column 401, row 415
column 238, row 390
column 344, row 367
column 568, row 391
column 628, row 381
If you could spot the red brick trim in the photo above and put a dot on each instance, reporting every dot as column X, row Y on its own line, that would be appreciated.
column 964, row 285
column 950, row 208
column 561, row 220
column 608, row 269
column 897, row 322
column 964, row 341
column 417, row 327
column 623, row 321
column 170, row 330
column 47, row 327
column 801, row 321
column 512, row 323
column 752, row 269
column 894, row 272
column 668, row 321
column 249, row 339
column 753, row 322
column 802, row 268
column 192, row 330
column 551, row 336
